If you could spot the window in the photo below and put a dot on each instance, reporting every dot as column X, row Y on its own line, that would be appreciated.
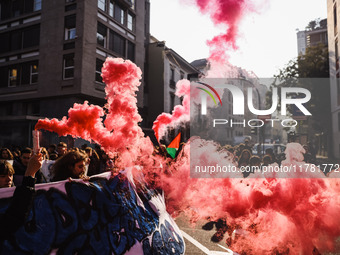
column 68, row 66
column 25, row 74
column 13, row 80
column 335, row 19
column 130, row 22
column 70, row 27
column 119, row 14
column 132, row 4
column 5, row 42
column 117, row 43
column 338, row 89
column 131, row 51
column 31, row 37
column 17, row 8
column 111, row 8
column 34, row 73
column 336, row 55
column 70, row 33
column 99, row 65
column 182, row 75
column 37, row 5
column 20, row 39
column 31, row 108
column 3, row 77
column 101, row 34
column 102, row 5
column 16, row 40
column 5, row 10
column 21, row 74
column 172, row 101
column 172, row 78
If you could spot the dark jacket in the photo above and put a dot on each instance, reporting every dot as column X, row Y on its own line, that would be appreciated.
column 20, row 170
column 20, row 205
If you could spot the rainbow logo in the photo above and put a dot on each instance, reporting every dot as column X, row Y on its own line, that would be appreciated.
column 209, row 93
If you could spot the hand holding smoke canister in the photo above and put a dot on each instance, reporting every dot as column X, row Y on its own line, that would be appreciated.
column 36, row 147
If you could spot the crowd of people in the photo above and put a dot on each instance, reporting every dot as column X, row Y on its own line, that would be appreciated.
column 22, row 168
column 68, row 163
column 86, row 161
column 243, row 156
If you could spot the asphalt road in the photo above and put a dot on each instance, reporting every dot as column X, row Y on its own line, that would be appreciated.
column 204, row 246
column 198, row 241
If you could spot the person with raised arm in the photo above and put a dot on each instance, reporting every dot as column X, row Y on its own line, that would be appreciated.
column 21, row 202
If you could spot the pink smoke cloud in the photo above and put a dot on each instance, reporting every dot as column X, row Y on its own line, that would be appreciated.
column 180, row 114
column 276, row 214
column 120, row 132
column 229, row 14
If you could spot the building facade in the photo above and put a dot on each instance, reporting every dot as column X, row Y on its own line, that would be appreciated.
column 52, row 53
column 165, row 68
column 312, row 37
column 334, row 71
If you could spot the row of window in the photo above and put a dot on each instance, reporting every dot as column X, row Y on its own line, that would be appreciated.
column 172, row 81
column 20, row 39
column 30, row 36
column 21, row 74
column 15, row 8
column 27, row 73
column 115, row 42
column 68, row 68
column 31, row 107
column 119, row 13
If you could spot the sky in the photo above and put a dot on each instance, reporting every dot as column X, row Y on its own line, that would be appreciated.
column 267, row 38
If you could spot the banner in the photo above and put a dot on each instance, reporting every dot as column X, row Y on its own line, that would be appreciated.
column 103, row 216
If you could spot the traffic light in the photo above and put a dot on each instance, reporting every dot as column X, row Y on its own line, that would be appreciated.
column 253, row 130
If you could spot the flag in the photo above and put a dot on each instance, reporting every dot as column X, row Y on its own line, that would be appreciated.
column 173, row 146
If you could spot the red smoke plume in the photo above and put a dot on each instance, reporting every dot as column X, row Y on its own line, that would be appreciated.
column 121, row 133
column 276, row 214
column 228, row 13
column 181, row 113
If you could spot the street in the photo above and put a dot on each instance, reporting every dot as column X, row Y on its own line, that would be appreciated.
column 198, row 241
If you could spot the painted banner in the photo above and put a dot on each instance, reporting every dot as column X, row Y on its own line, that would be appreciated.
column 116, row 215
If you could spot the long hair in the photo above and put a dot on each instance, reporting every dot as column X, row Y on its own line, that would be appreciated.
column 10, row 155
column 62, row 168
column 6, row 168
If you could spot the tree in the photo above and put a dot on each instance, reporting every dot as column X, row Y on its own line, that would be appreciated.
column 314, row 64
column 316, row 24
column 311, row 25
